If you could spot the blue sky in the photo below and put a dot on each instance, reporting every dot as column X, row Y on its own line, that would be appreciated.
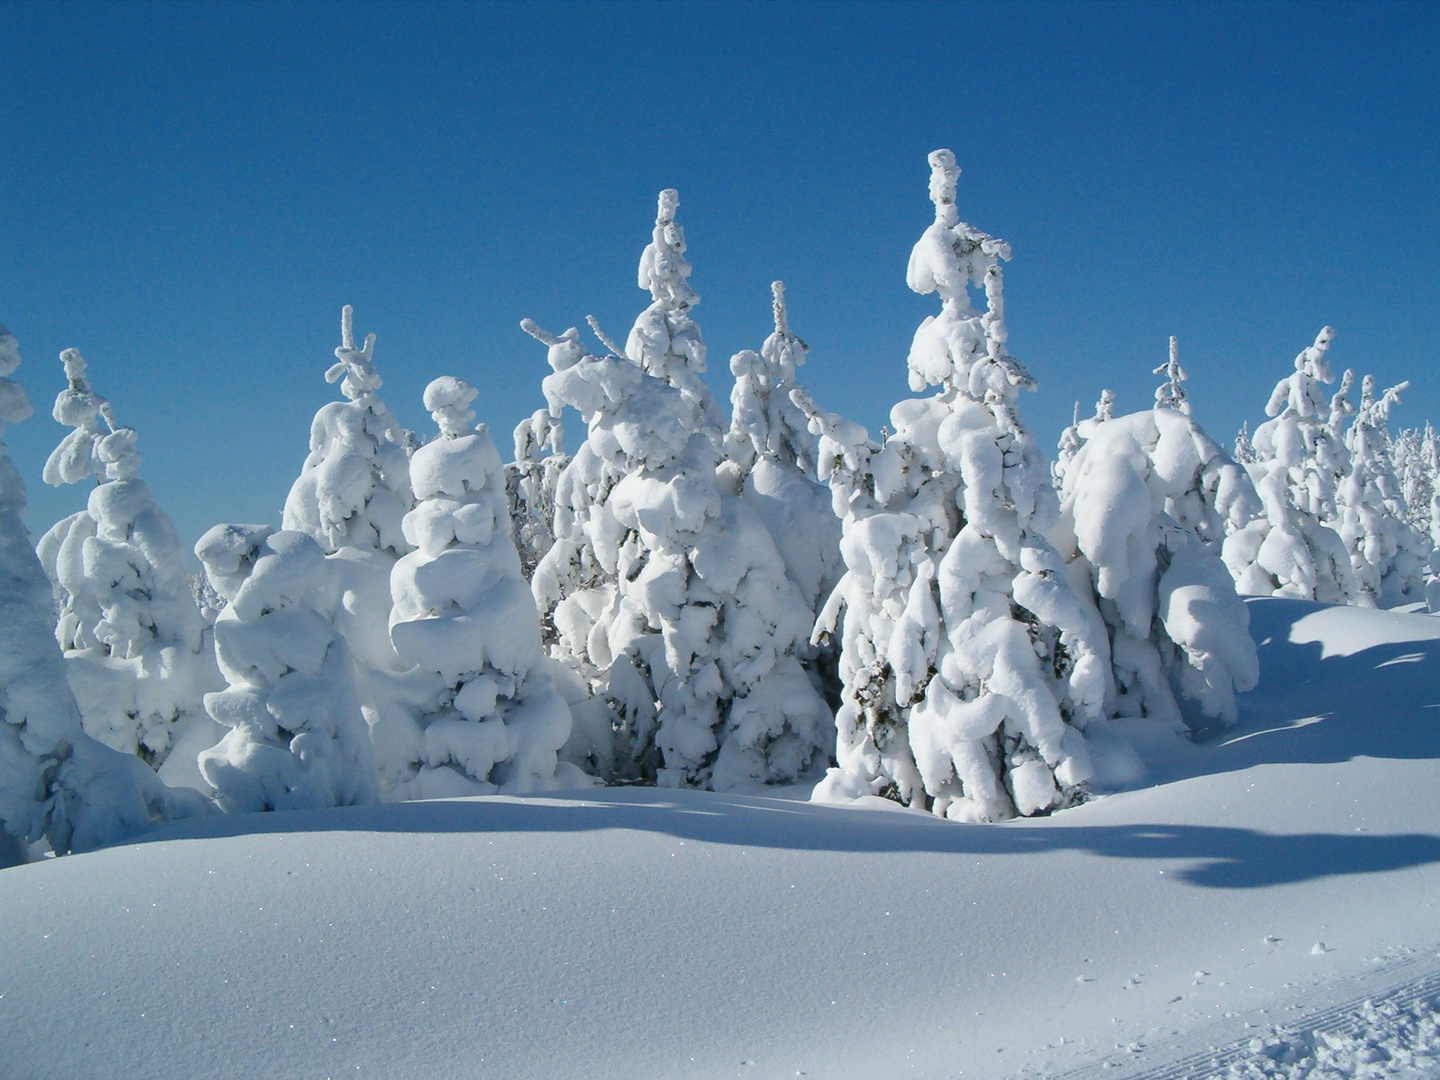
column 188, row 194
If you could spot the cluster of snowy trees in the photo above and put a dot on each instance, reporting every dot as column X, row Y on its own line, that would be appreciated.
column 939, row 616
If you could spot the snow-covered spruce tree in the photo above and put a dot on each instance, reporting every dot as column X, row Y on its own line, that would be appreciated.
column 1386, row 552
column 351, row 495
column 297, row 737
column 1244, row 449
column 670, row 596
column 465, row 625
column 665, row 341
column 1071, row 438
column 530, row 484
column 1300, row 459
column 56, row 783
column 1171, row 393
column 139, row 655
column 1412, row 453
column 770, row 459
column 1145, row 506
column 970, row 664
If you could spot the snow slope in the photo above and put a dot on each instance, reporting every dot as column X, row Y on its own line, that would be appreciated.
column 1281, row 876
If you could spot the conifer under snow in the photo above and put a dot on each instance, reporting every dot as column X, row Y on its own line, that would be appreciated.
column 297, row 737
column 351, row 496
column 1300, row 458
column 139, row 655
column 666, row 592
column 1146, row 502
column 770, row 459
column 465, row 625
column 970, row 665
column 1387, row 553
column 56, row 783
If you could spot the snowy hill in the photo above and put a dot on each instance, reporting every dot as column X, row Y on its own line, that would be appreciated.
column 1278, row 877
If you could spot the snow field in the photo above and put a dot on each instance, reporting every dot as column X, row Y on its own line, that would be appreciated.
column 644, row 932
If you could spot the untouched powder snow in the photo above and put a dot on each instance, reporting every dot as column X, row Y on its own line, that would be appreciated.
column 1244, row 895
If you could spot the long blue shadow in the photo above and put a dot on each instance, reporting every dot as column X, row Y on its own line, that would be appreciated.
column 1215, row 857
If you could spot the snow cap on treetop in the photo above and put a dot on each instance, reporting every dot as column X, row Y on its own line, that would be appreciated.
column 448, row 400
column 1313, row 361
column 117, row 453
column 565, row 351
column 663, row 267
column 944, row 176
column 355, row 366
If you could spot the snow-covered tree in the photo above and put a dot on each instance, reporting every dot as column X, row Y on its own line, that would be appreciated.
column 1244, row 449
column 139, row 655
column 530, row 484
column 1300, row 458
column 1171, row 393
column 1413, row 453
column 666, row 591
column 665, row 341
column 1387, row 553
column 354, row 488
column 465, row 625
column 56, row 783
column 297, row 737
column 970, row 664
column 1071, row 438
column 770, row 459
column 351, row 495
column 1146, row 502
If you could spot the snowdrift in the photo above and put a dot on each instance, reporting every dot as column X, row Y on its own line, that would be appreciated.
column 1276, row 878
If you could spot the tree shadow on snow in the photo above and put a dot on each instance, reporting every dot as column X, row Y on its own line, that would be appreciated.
column 1215, row 857
column 1378, row 701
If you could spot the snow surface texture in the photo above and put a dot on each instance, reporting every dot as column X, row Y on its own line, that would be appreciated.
column 56, row 783
column 297, row 737
column 1299, row 459
column 487, row 715
column 1145, row 505
column 970, row 665
column 642, row 932
column 666, row 592
column 139, row 654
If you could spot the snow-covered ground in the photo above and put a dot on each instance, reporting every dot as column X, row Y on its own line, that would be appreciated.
column 1278, row 877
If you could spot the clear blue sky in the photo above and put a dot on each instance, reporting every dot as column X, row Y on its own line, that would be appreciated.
column 189, row 193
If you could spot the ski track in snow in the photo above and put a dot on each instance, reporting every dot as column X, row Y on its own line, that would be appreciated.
column 638, row 932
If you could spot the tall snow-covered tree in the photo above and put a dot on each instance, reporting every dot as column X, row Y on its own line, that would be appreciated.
column 1171, row 393
column 351, row 496
column 1146, row 503
column 56, row 783
column 666, row 590
column 770, row 459
column 531, row 481
column 665, row 341
column 465, row 624
column 970, row 664
column 1300, row 458
column 1387, row 553
column 297, row 737
column 354, row 487
column 139, row 654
